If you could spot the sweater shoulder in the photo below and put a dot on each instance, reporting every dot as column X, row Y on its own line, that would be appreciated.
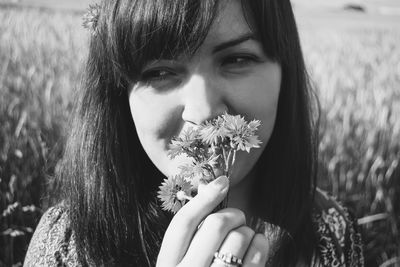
column 53, row 242
column 338, row 235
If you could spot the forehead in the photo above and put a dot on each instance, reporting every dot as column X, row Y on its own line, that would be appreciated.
column 229, row 23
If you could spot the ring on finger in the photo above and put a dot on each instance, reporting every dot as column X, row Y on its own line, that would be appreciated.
column 228, row 259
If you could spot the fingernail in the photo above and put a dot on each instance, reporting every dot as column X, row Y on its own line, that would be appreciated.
column 221, row 182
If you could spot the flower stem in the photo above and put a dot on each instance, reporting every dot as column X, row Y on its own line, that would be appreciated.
column 227, row 163
column 224, row 154
column 234, row 157
column 232, row 162
column 211, row 170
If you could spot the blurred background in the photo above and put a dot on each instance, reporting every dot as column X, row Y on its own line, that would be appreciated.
column 352, row 50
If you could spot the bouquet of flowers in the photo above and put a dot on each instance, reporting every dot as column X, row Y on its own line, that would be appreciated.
column 212, row 149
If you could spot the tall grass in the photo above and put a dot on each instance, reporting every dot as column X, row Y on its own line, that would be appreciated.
column 357, row 77
column 40, row 58
column 356, row 73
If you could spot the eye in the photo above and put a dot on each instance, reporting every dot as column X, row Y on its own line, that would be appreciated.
column 239, row 61
column 157, row 74
column 162, row 78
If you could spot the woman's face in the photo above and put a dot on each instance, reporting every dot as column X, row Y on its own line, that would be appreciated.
column 229, row 72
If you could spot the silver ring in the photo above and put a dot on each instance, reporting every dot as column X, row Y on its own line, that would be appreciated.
column 228, row 259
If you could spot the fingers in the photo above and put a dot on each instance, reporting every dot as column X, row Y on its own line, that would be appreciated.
column 212, row 233
column 236, row 243
column 257, row 253
column 184, row 224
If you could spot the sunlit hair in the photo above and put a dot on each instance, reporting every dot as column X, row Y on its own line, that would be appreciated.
column 105, row 178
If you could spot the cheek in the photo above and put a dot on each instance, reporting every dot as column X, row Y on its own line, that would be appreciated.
column 260, row 99
column 268, row 116
column 156, row 117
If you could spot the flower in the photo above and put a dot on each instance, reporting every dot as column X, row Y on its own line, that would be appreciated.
column 91, row 18
column 200, row 170
column 187, row 142
column 233, row 124
column 174, row 192
column 213, row 131
column 245, row 143
column 241, row 133
column 189, row 171
column 253, row 125
column 212, row 147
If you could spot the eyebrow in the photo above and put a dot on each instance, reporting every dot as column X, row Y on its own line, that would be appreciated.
column 242, row 38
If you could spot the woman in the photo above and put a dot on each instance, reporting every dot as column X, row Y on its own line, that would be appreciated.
column 156, row 68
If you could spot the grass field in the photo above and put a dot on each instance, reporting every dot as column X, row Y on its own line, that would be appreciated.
column 357, row 76
column 356, row 73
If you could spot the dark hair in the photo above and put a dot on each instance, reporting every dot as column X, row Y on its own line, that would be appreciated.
column 107, row 180
column 287, row 169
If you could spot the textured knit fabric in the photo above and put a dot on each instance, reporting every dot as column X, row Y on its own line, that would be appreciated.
column 339, row 242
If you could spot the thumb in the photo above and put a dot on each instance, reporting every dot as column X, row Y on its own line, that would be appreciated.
column 208, row 197
column 184, row 224
column 203, row 184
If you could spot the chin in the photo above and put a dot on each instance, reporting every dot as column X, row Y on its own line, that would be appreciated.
column 244, row 165
column 241, row 169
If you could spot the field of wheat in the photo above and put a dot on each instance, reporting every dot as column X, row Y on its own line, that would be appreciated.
column 356, row 74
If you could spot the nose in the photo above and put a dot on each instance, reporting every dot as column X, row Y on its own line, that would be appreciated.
column 203, row 99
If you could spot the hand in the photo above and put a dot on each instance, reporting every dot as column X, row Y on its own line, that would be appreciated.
column 185, row 244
